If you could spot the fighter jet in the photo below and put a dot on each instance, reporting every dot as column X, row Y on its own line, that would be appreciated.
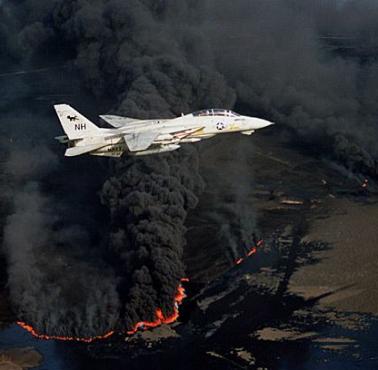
column 143, row 137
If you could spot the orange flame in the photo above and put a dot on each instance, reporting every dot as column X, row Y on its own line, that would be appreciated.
column 160, row 319
column 252, row 251
column 35, row 334
column 159, row 316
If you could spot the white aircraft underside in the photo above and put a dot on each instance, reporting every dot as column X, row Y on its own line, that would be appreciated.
column 142, row 137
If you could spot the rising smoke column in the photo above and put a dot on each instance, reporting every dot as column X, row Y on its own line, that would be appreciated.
column 126, row 55
column 145, row 58
column 149, row 197
column 149, row 200
column 57, row 279
column 56, row 282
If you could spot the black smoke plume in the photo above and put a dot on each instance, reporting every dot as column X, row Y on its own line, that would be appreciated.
column 310, row 66
column 149, row 200
column 57, row 282
column 147, row 74
column 285, row 60
column 140, row 59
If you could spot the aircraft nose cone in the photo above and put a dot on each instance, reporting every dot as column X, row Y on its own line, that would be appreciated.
column 257, row 123
column 268, row 123
column 264, row 123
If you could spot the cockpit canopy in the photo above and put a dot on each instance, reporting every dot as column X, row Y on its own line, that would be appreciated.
column 215, row 112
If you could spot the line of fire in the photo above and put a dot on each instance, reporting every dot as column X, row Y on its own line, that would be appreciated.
column 160, row 318
column 35, row 334
column 142, row 325
column 250, row 252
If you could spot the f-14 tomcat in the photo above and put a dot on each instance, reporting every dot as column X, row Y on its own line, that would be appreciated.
column 142, row 137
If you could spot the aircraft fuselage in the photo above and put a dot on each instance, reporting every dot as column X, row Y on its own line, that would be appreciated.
column 143, row 137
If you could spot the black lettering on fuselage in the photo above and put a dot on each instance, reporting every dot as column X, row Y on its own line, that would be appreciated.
column 80, row 126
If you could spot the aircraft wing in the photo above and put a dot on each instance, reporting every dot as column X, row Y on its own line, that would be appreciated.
column 140, row 140
column 118, row 121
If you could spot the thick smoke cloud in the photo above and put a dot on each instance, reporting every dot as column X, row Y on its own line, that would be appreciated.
column 148, row 198
column 49, row 262
column 310, row 66
column 140, row 59
column 146, row 59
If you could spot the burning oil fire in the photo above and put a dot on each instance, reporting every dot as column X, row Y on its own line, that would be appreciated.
column 159, row 316
column 142, row 325
column 35, row 334
column 252, row 251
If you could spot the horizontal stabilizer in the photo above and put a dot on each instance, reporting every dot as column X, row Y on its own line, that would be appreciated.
column 78, row 150
column 63, row 139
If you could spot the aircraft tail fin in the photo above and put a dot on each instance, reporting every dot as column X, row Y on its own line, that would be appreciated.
column 75, row 125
